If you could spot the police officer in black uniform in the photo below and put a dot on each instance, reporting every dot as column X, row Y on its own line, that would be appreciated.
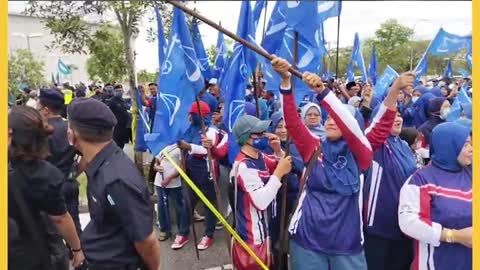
column 120, row 234
column 50, row 104
column 119, row 109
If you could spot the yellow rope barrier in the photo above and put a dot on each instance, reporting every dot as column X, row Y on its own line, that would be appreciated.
column 215, row 211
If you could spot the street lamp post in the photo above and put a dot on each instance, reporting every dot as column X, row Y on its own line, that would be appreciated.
column 28, row 37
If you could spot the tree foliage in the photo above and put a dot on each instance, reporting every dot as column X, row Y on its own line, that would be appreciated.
column 24, row 69
column 107, row 55
column 145, row 77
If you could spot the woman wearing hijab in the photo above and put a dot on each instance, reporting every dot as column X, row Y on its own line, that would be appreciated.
column 420, row 109
column 435, row 206
column 36, row 207
column 311, row 115
column 278, row 128
column 326, row 228
column 197, row 166
column 438, row 110
column 386, row 247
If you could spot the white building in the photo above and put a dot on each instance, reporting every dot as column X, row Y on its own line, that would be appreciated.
column 28, row 32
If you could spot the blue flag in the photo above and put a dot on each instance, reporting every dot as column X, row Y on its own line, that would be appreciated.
column 463, row 96
column 328, row 9
column 63, row 68
column 469, row 58
column 162, row 43
column 447, row 43
column 455, row 111
column 357, row 57
column 275, row 28
column 180, row 82
column 448, row 70
column 141, row 127
column 350, row 72
column 372, row 69
column 220, row 57
column 257, row 11
column 463, row 72
column 239, row 70
column 421, row 68
column 200, row 51
column 308, row 59
column 302, row 16
column 383, row 83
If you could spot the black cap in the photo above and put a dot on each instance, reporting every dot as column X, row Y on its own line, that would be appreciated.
column 350, row 85
column 90, row 113
column 51, row 97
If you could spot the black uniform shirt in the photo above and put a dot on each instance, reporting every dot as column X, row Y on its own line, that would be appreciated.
column 62, row 154
column 120, row 211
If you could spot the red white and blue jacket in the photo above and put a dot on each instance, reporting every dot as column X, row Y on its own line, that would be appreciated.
column 327, row 221
column 430, row 200
column 256, row 189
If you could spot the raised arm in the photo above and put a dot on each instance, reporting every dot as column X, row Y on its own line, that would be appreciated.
column 379, row 130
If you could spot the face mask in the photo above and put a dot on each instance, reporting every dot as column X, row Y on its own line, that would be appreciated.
column 444, row 114
column 260, row 143
column 119, row 93
column 415, row 98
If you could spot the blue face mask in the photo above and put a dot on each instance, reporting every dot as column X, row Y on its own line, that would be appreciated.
column 260, row 143
column 119, row 93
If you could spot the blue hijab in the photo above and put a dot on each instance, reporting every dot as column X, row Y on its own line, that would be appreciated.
column 340, row 165
column 446, row 144
column 421, row 109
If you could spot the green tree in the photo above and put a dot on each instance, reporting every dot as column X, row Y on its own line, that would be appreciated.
column 145, row 77
column 24, row 68
column 212, row 51
column 107, row 55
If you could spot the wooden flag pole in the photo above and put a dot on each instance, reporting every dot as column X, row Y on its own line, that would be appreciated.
column 247, row 44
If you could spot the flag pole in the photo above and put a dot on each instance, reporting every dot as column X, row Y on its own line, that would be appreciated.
column 247, row 44
column 338, row 43
column 283, row 209
column 255, row 94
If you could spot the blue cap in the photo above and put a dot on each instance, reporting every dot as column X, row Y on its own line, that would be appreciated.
column 51, row 97
column 90, row 113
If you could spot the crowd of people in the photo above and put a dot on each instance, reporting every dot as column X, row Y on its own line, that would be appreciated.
column 351, row 179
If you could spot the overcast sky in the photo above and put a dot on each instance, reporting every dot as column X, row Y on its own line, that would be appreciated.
column 363, row 17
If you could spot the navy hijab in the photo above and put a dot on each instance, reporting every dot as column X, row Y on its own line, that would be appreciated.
column 434, row 120
column 447, row 142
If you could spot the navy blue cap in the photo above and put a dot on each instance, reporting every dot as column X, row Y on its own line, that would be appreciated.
column 90, row 113
column 51, row 97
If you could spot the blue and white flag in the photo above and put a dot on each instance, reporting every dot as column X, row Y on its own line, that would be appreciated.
column 63, row 68
column 162, row 42
column 200, row 51
column 383, row 83
column 421, row 68
column 141, row 126
column 463, row 96
column 308, row 59
column 463, row 72
column 455, row 111
column 357, row 57
column 372, row 68
column 350, row 72
column 448, row 70
column 329, row 9
column 221, row 56
column 447, row 43
column 257, row 11
column 239, row 70
column 302, row 16
column 180, row 82
column 468, row 58
column 275, row 28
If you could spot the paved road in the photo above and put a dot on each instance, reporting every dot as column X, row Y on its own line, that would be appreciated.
column 215, row 258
